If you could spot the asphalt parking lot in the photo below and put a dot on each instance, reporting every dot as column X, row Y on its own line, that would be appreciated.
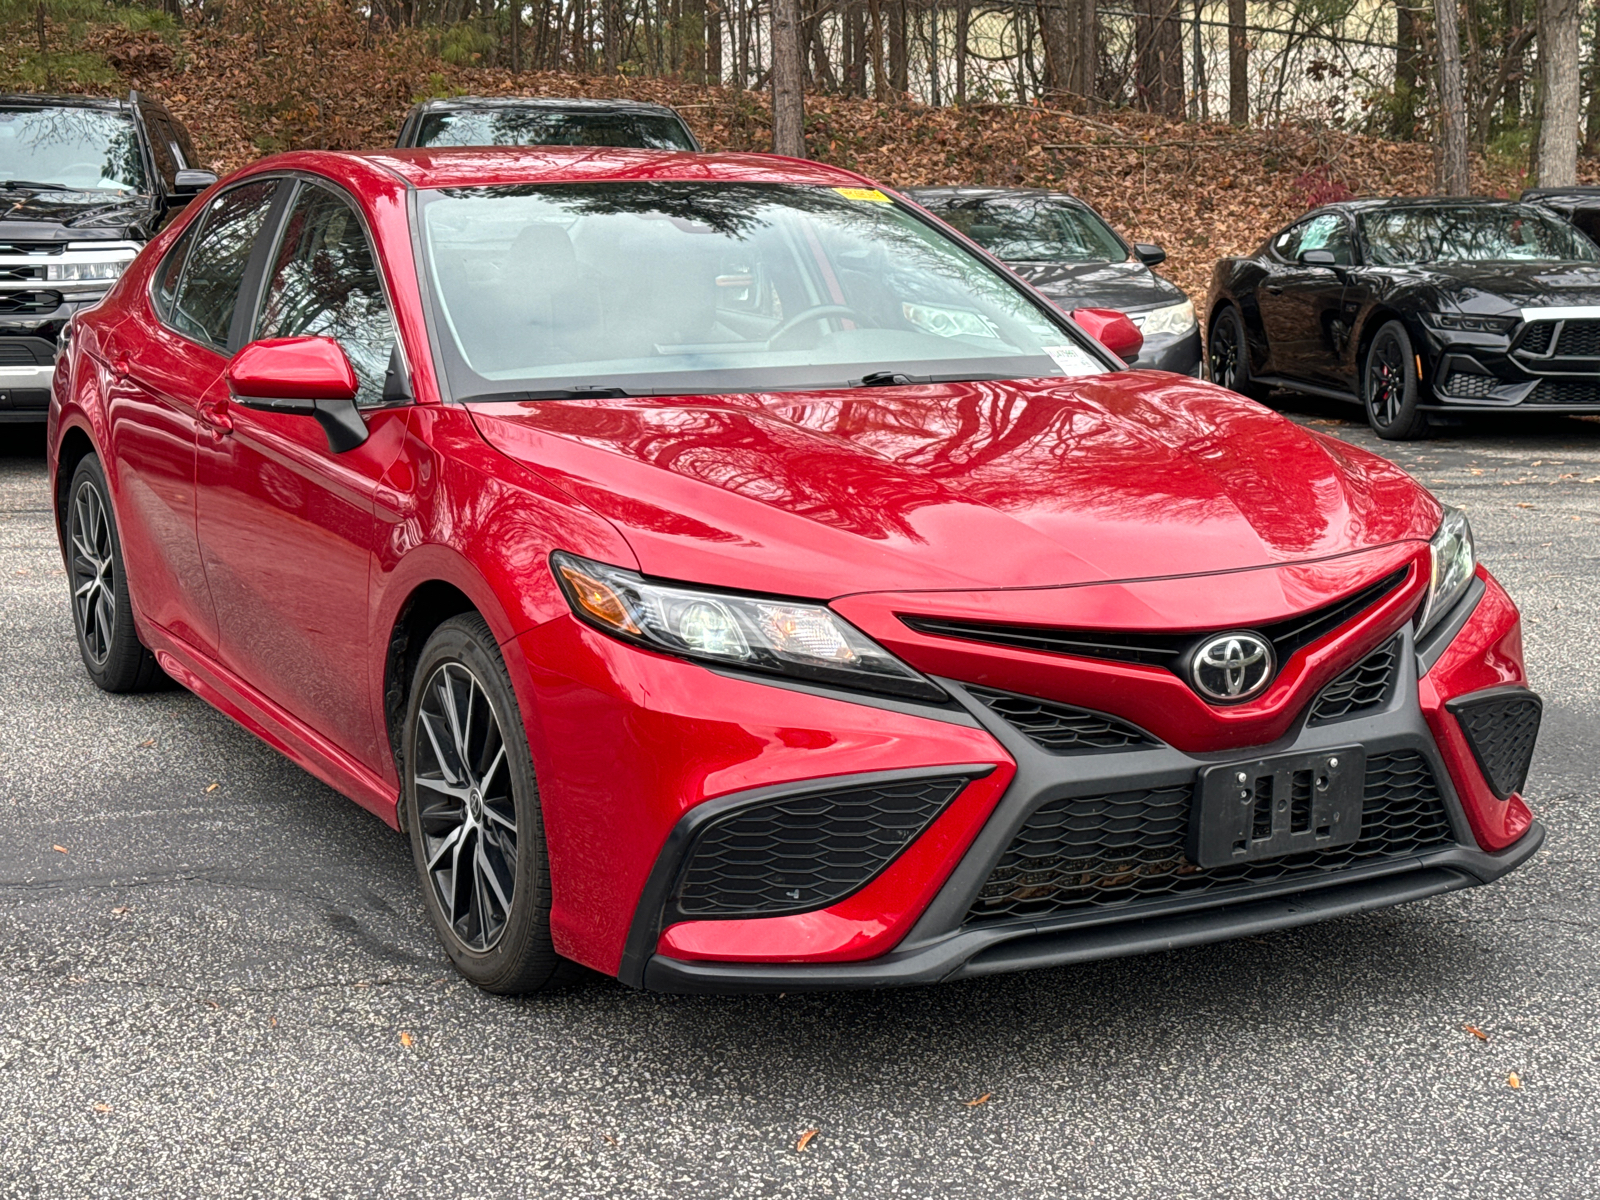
column 216, row 978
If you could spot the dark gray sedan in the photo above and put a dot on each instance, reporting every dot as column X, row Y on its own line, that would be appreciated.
column 1065, row 249
column 544, row 121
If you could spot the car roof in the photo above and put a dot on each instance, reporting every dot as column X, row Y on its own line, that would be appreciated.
column 1367, row 204
column 967, row 191
column 33, row 100
column 489, row 165
column 554, row 103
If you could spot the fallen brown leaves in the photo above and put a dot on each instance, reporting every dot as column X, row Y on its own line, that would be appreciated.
column 983, row 1099
column 1476, row 1032
column 1513, row 1080
column 405, row 1039
column 805, row 1140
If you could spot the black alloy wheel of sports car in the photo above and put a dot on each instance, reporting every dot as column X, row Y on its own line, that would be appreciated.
column 1414, row 309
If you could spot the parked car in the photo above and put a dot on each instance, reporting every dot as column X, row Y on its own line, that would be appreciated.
column 523, row 121
column 85, row 182
column 1414, row 307
column 1579, row 205
column 731, row 580
column 1068, row 251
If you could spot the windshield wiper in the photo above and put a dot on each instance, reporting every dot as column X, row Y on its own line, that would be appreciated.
column 576, row 393
column 899, row 379
column 33, row 185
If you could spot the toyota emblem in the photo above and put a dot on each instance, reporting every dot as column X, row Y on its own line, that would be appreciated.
column 1231, row 667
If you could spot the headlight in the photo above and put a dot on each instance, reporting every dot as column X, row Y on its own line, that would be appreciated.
column 1454, row 564
column 1174, row 318
column 1470, row 324
column 771, row 635
column 85, row 271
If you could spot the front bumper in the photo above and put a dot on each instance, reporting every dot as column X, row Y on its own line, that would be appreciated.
column 954, row 938
column 25, row 393
column 1176, row 352
column 1531, row 370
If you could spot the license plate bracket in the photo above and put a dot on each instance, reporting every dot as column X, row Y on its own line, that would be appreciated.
column 1282, row 804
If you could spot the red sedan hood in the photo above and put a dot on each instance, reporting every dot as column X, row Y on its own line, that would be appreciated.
column 960, row 486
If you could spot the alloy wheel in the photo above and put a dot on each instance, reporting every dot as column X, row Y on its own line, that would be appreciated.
column 466, row 813
column 1224, row 355
column 93, row 573
column 1386, row 381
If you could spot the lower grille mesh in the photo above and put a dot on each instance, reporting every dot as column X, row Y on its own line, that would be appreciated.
column 1103, row 851
column 1061, row 728
column 1363, row 686
column 1565, row 391
column 805, row 852
column 1468, row 387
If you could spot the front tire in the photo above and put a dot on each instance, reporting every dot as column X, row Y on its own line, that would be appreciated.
column 1390, row 389
column 1228, row 356
column 102, row 612
column 472, row 806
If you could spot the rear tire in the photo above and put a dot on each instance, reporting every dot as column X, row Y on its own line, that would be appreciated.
column 102, row 613
column 472, row 806
column 1390, row 389
column 1228, row 356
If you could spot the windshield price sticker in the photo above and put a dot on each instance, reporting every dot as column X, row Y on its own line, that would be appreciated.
column 1073, row 360
column 872, row 194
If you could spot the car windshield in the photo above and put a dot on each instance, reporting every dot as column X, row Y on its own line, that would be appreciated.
column 675, row 288
column 1033, row 229
column 1472, row 233
column 75, row 149
column 552, row 127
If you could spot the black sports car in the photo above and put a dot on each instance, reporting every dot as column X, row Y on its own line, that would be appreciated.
column 1413, row 307
column 1065, row 249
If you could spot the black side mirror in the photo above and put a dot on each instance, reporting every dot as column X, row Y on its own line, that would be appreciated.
column 1318, row 258
column 189, row 183
column 1149, row 253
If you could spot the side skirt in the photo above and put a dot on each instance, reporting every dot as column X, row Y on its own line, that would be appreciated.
column 286, row 734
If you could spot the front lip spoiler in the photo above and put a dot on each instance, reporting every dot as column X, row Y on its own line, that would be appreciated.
column 988, row 950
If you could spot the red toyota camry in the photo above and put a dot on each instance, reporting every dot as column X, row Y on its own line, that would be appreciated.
column 730, row 579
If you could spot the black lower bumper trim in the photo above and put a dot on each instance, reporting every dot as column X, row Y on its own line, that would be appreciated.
column 1025, row 946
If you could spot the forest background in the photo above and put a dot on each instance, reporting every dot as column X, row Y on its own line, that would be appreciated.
column 1202, row 125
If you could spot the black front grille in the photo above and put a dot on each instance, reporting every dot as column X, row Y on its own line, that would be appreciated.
column 1095, row 852
column 1501, row 728
column 1579, row 339
column 1158, row 649
column 29, row 302
column 25, row 274
column 1364, row 686
column 807, row 851
column 1565, row 391
column 1537, row 339
column 1061, row 728
column 1468, row 387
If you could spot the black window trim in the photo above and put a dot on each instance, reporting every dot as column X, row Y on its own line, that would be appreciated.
column 1351, row 227
column 226, row 351
column 255, row 279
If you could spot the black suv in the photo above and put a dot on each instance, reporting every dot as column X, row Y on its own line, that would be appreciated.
column 520, row 121
column 84, row 184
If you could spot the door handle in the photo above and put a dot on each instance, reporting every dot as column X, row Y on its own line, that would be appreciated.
column 214, row 416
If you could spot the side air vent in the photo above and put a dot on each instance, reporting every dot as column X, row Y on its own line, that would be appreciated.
column 1365, row 686
column 1158, row 649
column 1061, row 728
column 1501, row 728
column 804, row 852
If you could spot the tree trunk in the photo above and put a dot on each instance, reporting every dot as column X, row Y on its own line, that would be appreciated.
column 1087, row 81
column 1591, row 127
column 1198, row 108
column 516, row 37
column 933, row 52
column 788, row 102
column 1158, row 45
column 1406, row 73
column 714, row 41
column 1455, row 177
column 899, row 56
column 693, row 40
column 880, row 79
column 1511, row 106
column 1055, row 22
column 963, row 27
column 1238, row 64
column 1558, row 75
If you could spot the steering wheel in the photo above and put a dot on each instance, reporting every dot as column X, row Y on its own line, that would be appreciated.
column 790, row 324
